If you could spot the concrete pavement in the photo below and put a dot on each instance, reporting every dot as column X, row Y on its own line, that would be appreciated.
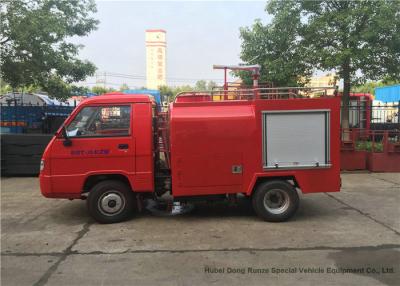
column 346, row 238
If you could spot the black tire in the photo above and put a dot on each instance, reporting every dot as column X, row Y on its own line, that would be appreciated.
column 275, row 201
column 110, row 202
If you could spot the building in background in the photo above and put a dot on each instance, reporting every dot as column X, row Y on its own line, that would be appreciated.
column 155, row 58
column 327, row 80
column 388, row 93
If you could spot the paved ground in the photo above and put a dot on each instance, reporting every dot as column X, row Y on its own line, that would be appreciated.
column 54, row 242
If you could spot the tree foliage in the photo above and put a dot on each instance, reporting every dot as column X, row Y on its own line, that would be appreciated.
column 275, row 47
column 97, row 89
column 360, row 40
column 211, row 84
column 34, row 43
column 203, row 85
column 171, row 92
column 200, row 85
column 123, row 87
column 369, row 87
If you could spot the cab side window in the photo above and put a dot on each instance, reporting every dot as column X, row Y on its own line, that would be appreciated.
column 101, row 121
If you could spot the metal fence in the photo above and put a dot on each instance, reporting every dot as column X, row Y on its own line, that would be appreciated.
column 364, row 115
column 370, row 140
column 233, row 93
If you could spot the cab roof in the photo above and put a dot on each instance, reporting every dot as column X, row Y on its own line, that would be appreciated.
column 119, row 97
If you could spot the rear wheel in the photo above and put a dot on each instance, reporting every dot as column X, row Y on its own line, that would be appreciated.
column 110, row 202
column 275, row 201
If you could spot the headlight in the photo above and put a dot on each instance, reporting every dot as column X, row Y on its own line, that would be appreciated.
column 41, row 165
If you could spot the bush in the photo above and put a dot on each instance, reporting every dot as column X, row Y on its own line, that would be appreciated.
column 367, row 146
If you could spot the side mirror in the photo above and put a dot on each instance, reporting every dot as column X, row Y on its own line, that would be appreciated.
column 67, row 142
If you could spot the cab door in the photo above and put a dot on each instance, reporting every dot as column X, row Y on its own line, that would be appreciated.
column 101, row 142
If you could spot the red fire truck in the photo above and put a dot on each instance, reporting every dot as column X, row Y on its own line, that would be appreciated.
column 266, row 144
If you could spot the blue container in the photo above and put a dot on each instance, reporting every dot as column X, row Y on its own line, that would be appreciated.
column 388, row 93
column 155, row 93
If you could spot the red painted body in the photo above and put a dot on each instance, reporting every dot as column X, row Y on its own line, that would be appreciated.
column 205, row 139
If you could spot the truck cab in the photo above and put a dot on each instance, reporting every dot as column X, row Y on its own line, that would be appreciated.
column 108, row 137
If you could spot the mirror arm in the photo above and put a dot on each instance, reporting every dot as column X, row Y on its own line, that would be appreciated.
column 67, row 141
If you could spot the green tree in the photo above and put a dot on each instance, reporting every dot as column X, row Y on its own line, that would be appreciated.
column 97, row 89
column 4, row 87
column 273, row 46
column 369, row 87
column 123, row 87
column 166, row 91
column 360, row 40
column 201, row 85
column 211, row 84
column 171, row 92
column 182, row 88
column 34, row 43
column 80, row 90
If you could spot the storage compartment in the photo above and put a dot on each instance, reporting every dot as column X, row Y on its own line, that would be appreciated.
column 210, row 146
column 296, row 139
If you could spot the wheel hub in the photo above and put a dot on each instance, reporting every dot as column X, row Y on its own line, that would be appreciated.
column 276, row 201
column 111, row 203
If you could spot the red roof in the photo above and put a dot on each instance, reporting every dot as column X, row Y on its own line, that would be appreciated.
column 118, row 97
column 156, row 30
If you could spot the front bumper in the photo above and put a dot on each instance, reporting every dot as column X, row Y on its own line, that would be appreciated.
column 45, row 186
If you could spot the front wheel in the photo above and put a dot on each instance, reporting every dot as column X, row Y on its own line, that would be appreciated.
column 275, row 201
column 110, row 202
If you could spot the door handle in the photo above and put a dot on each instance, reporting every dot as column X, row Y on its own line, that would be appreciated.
column 123, row 146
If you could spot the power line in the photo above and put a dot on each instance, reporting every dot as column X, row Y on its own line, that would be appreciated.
column 136, row 77
column 101, row 78
column 97, row 83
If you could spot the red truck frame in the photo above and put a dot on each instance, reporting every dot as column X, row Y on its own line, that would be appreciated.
column 266, row 144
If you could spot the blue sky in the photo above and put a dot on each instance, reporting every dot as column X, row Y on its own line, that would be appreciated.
column 199, row 34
